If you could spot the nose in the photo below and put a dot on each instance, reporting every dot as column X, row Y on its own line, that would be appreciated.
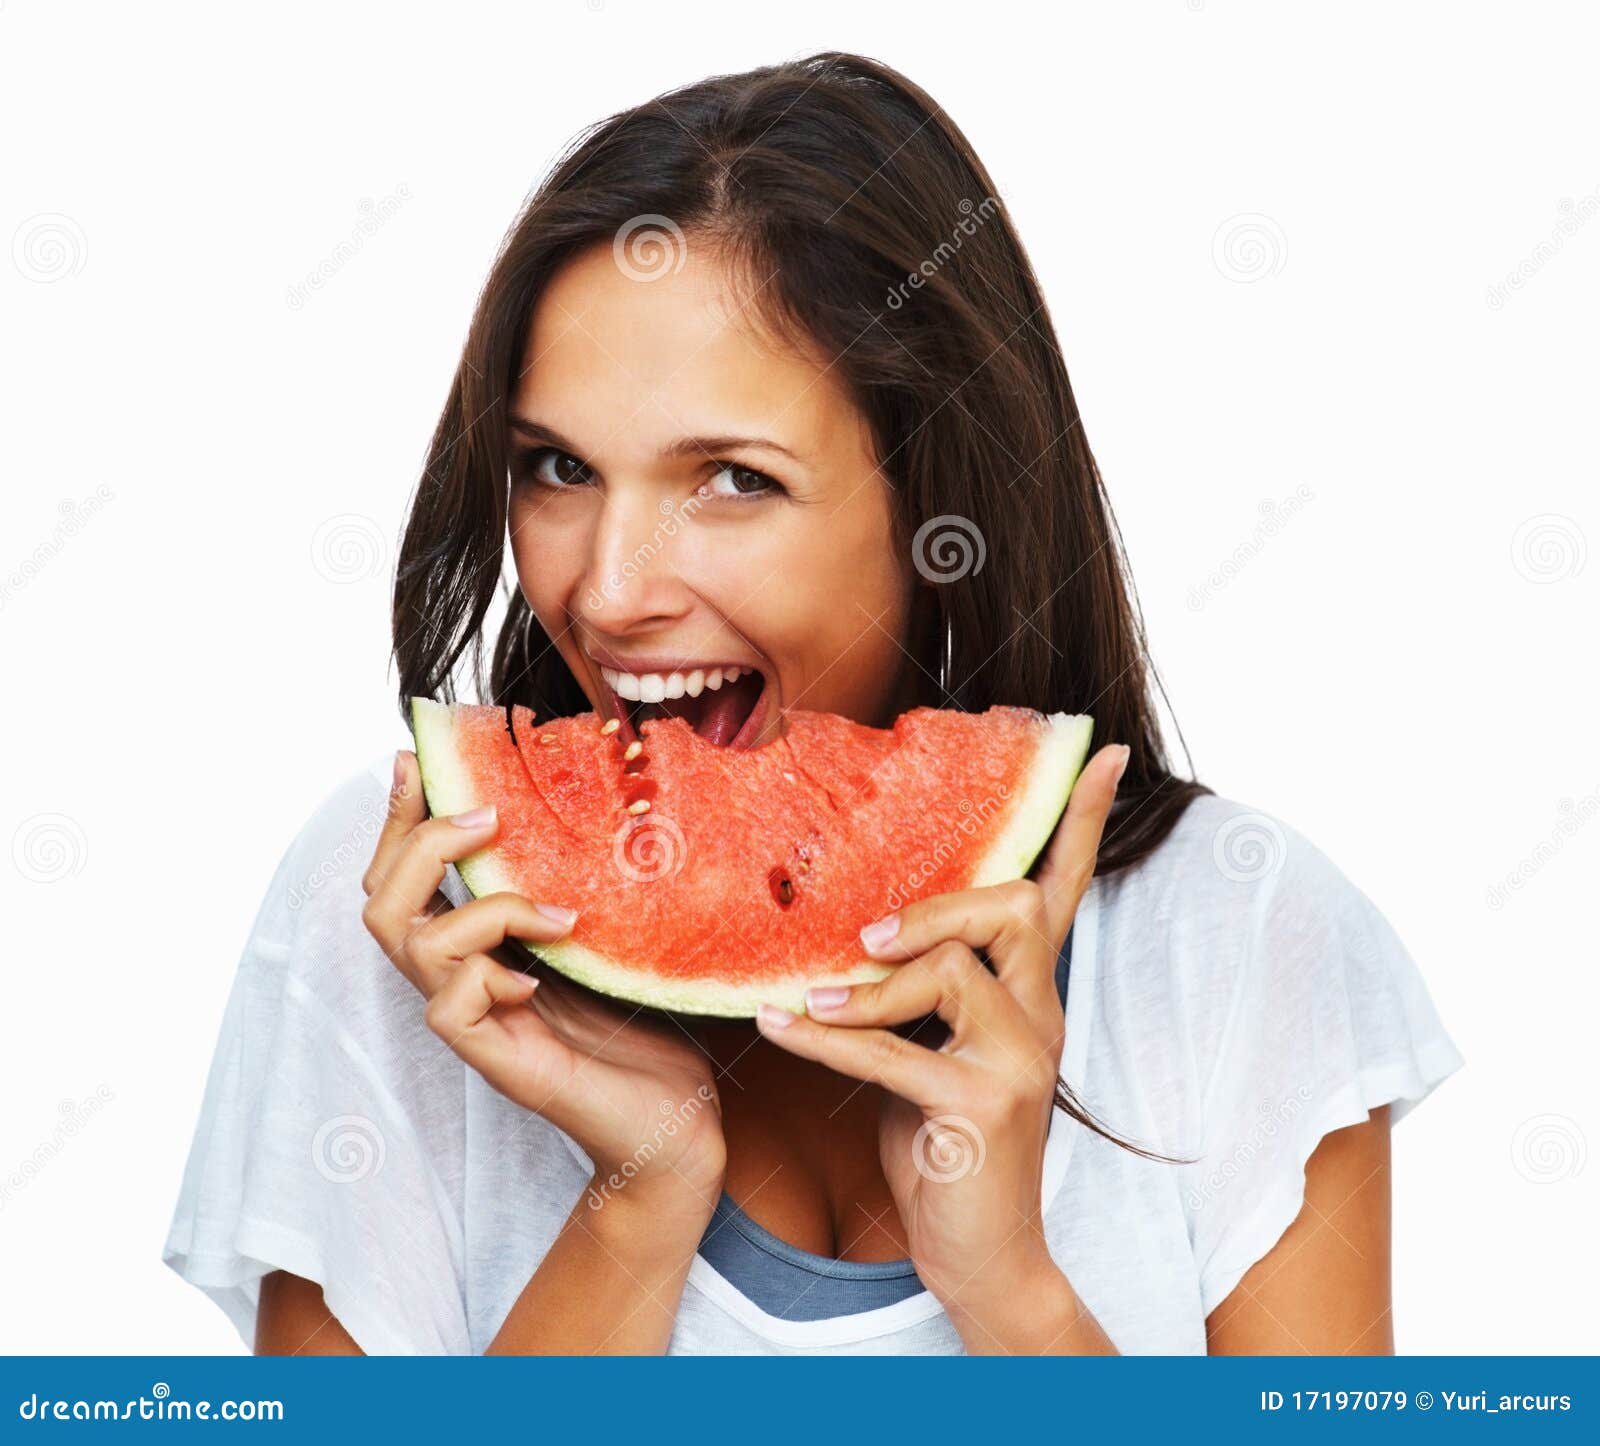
column 630, row 580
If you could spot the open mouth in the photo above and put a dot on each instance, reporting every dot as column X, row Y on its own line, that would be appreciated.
column 724, row 704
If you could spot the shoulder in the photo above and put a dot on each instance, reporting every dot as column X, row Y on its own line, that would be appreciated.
column 309, row 941
column 1235, row 931
column 1227, row 876
column 326, row 855
column 1239, row 960
column 340, row 831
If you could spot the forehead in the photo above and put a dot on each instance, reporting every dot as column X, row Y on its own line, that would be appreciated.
column 615, row 358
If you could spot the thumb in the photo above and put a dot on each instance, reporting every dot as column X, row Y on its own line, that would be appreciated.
column 407, row 808
column 1070, row 860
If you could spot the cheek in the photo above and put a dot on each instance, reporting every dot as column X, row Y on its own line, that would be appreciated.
column 827, row 601
column 548, row 556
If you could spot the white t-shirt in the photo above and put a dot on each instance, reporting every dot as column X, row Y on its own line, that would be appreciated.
column 1232, row 998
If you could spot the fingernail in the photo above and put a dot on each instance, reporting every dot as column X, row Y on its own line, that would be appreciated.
column 474, row 817
column 830, row 997
column 399, row 769
column 1122, row 767
column 875, row 936
column 565, row 917
column 773, row 1017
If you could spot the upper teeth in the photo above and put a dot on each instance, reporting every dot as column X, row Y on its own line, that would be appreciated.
column 653, row 687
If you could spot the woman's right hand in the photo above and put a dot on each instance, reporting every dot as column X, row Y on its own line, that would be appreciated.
column 626, row 1088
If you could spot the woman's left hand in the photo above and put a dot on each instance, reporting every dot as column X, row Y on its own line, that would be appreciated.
column 964, row 1127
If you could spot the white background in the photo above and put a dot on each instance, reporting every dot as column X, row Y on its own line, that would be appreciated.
column 1270, row 238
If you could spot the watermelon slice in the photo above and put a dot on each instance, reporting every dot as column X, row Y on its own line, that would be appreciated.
column 709, row 880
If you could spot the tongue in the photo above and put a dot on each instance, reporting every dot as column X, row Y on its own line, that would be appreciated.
column 718, row 715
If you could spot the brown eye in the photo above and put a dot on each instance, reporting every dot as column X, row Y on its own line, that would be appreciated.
column 732, row 480
column 550, row 468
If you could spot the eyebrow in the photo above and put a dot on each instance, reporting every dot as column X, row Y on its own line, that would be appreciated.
column 683, row 447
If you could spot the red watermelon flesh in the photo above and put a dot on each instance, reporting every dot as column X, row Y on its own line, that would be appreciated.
column 710, row 880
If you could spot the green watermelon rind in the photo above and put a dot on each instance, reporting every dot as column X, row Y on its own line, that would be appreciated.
column 1044, row 791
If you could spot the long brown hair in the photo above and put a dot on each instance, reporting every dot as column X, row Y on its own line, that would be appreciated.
column 869, row 231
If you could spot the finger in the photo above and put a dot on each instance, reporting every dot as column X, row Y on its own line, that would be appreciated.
column 417, row 869
column 482, row 925
column 978, row 918
column 461, row 1008
column 1006, row 921
column 949, row 981
column 407, row 808
column 1070, row 860
column 909, row 1070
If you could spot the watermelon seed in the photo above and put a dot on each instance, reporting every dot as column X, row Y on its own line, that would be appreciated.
column 782, row 887
column 632, row 751
column 550, row 739
column 640, row 806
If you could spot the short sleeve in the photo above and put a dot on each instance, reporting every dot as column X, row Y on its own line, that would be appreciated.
column 1324, row 1017
column 329, row 1141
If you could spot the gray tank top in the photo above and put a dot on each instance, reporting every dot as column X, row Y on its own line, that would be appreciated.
column 794, row 1284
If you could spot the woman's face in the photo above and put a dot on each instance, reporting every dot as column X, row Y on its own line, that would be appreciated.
column 687, row 500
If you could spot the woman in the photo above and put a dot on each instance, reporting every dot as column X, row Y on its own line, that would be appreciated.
column 753, row 360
